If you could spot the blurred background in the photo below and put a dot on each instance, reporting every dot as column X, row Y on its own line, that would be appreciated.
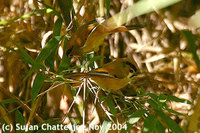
column 165, row 45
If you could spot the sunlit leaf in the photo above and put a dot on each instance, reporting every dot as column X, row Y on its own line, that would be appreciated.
column 139, row 8
column 162, row 98
column 16, row 18
column 48, row 10
column 194, row 20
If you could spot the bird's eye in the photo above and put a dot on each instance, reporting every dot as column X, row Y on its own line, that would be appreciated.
column 131, row 71
column 132, row 66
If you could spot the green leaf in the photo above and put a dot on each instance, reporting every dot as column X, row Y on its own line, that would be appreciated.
column 16, row 18
column 71, row 69
column 49, row 10
column 56, row 32
column 159, row 127
column 174, row 112
column 19, row 120
column 57, row 27
column 132, row 119
column 24, row 53
column 105, row 126
column 154, row 96
column 65, row 61
column 3, row 107
column 162, row 98
column 95, row 58
column 66, row 7
column 176, row 99
column 37, row 85
column 192, row 47
column 12, row 49
column 111, row 106
column 51, row 45
column 3, row 122
column 149, row 124
column 107, row 6
column 171, row 124
column 74, row 91
column 153, row 104
column 6, row 101
column 29, row 73
column 27, row 57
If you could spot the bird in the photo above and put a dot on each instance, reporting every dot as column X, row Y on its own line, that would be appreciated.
column 90, row 36
column 111, row 76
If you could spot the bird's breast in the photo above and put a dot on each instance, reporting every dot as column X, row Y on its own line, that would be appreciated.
column 109, row 83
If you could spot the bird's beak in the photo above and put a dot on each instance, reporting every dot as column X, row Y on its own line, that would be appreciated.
column 131, row 75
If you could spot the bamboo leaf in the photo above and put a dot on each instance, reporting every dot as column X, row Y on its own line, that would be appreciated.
column 171, row 124
column 66, row 7
column 24, row 53
column 16, row 18
column 51, row 45
column 159, row 127
column 37, row 85
column 176, row 99
column 56, row 32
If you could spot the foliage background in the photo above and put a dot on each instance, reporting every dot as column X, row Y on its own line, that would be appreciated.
column 166, row 49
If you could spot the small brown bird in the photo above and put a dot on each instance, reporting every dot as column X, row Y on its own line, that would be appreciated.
column 90, row 36
column 112, row 76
